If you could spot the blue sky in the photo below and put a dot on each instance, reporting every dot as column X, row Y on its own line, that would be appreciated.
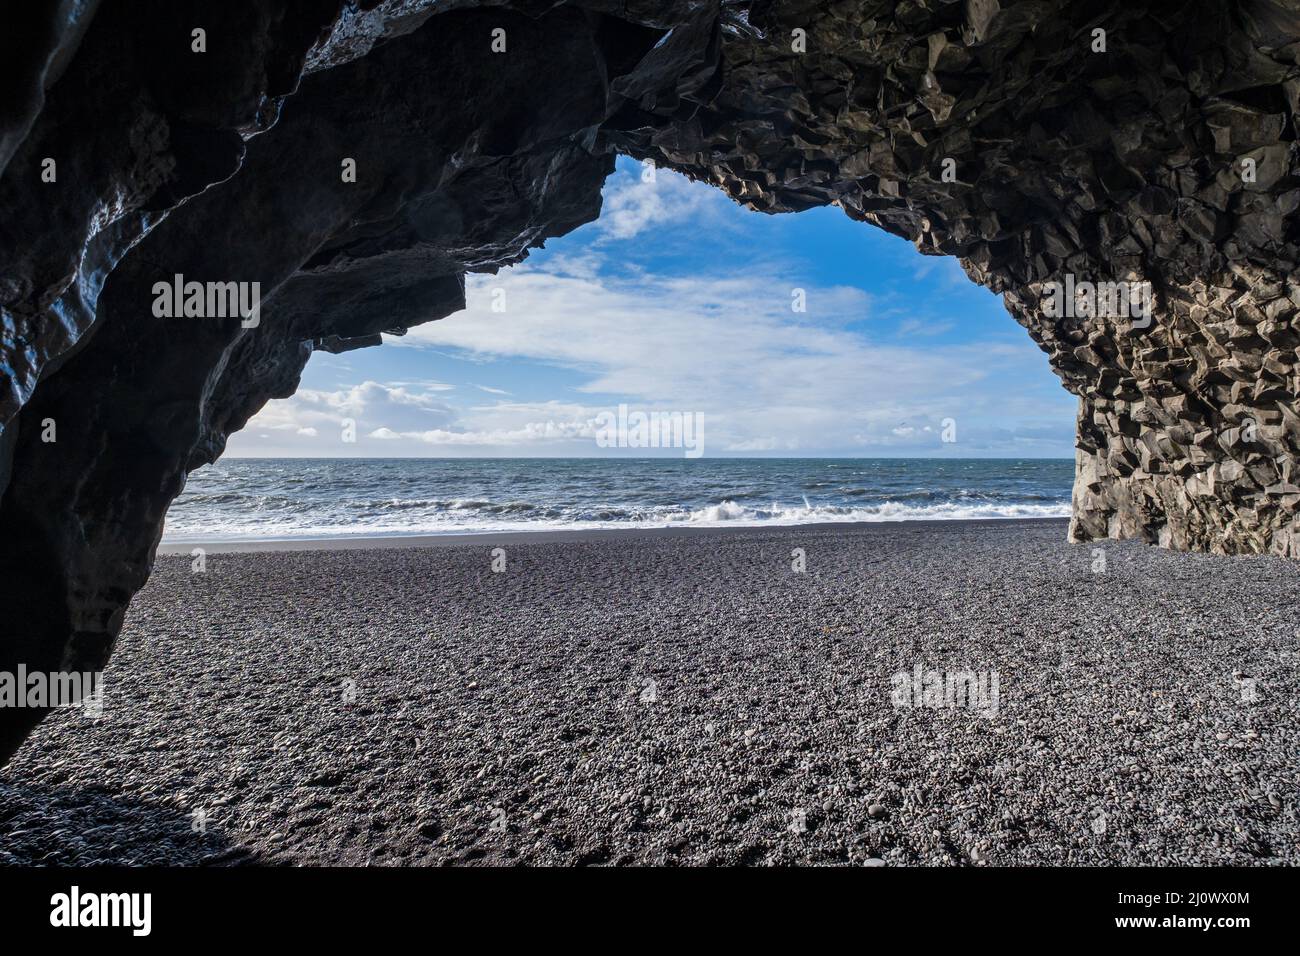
column 677, row 299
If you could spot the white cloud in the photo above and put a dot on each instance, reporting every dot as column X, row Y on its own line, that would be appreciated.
column 311, row 421
column 632, row 205
column 530, row 433
column 390, row 418
column 424, row 385
column 765, row 377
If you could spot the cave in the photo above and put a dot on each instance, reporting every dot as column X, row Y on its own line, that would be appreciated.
column 356, row 160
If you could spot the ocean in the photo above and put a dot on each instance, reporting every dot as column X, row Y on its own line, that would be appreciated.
column 250, row 498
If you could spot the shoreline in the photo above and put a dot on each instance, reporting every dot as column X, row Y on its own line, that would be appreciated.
column 565, row 536
column 686, row 697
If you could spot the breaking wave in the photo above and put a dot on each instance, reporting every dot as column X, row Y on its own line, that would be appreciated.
column 311, row 498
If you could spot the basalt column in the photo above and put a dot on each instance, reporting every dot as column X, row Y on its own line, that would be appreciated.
column 1148, row 148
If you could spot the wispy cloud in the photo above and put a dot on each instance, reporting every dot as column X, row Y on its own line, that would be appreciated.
column 634, row 204
column 317, row 419
column 766, row 377
column 656, row 307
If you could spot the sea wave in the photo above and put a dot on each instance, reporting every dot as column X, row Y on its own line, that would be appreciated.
column 728, row 512
column 313, row 498
column 514, row 517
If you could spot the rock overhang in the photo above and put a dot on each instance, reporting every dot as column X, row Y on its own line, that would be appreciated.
column 1047, row 144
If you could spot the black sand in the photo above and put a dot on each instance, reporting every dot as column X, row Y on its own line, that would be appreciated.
column 1146, row 714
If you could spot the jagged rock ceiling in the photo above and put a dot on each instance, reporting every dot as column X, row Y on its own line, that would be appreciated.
column 1160, row 152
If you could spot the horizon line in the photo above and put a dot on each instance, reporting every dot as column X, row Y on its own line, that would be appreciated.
column 643, row 458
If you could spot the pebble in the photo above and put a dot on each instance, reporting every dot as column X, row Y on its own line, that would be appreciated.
column 247, row 719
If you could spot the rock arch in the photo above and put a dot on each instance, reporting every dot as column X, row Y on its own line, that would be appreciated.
column 1146, row 142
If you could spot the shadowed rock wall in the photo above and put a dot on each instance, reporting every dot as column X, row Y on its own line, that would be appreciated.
column 1053, row 146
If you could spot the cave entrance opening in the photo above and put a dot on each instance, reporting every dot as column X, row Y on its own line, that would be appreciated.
column 674, row 352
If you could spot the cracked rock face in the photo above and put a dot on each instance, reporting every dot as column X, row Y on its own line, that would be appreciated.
column 1125, row 174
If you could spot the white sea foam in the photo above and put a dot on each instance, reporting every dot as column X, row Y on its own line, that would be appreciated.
column 313, row 498
column 461, row 519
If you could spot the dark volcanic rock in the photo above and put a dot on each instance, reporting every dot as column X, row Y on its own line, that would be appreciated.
column 1048, row 144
